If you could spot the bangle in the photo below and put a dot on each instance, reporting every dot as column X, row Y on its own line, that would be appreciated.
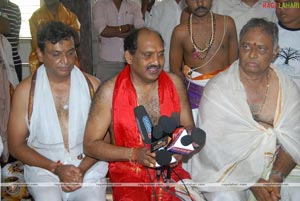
column 280, row 174
column 132, row 155
column 58, row 164
column 120, row 29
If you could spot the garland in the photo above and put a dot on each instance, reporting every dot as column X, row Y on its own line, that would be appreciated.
column 196, row 49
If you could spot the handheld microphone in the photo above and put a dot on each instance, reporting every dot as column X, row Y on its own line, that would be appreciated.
column 168, row 124
column 176, row 117
column 183, row 143
column 162, row 133
column 164, row 158
column 144, row 123
column 198, row 137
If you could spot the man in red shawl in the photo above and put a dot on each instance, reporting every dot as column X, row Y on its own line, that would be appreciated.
column 142, row 82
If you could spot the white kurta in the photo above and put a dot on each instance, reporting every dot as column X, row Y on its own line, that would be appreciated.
column 46, row 138
column 241, row 13
column 165, row 15
column 238, row 149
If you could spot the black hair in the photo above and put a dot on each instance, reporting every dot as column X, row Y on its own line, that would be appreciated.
column 266, row 26
column 54, row 32
column 130, row 42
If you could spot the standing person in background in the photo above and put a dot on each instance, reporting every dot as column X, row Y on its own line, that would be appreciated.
column 47, row 121
column 240, row 10
column 53, row 10
column 8, row 79
column 165, row 15
column 202, row 48
column 288, row 59
column 146, row 10
column 14, row 16
column 114, row 20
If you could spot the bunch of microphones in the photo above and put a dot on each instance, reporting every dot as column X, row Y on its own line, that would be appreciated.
column 168, row 137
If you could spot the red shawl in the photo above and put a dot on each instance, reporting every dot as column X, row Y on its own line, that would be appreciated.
column 126, row 134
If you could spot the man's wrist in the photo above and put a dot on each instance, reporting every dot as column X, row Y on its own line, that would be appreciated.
column 277, row 174
column 54, row 170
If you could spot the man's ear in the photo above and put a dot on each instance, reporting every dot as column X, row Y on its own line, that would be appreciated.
column 275, row 53
column 40, row 55
column 128, row 57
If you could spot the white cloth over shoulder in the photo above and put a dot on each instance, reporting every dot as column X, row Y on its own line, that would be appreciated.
column 45, row 133
column 6, row 52
column 8, row 76
column 238, row 149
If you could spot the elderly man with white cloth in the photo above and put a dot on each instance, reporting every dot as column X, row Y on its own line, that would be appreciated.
column 251, row 114
column 47, row 122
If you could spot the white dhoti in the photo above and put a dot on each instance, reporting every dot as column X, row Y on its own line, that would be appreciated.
column 46, row 138
column 238, row 149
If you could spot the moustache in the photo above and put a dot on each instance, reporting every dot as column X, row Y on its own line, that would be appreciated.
column 154, row 66
column 201, row 8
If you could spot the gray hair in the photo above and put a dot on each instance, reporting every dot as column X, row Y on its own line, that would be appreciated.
column 266, row 26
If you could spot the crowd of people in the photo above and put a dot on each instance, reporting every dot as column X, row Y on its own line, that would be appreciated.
column 230, row 68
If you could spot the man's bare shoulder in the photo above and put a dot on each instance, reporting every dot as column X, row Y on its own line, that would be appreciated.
column 176, row 80
column 21, row 93
column 229, row 21
column 95, row 81
column 24, row 86
column 105, row 90
column 181, row 30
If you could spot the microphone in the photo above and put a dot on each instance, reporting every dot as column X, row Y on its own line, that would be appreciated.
column 176, row 117
column 186, row 140
column 168, row 124
column 164, row 158
column 162, row 133
column 198, row 137
column 144, row 123
column 183, row 143
column 159, row 139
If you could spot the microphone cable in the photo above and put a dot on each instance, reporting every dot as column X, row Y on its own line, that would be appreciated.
column 165, row 180
column 152, row 181
column 159, row 184
column 187, row 190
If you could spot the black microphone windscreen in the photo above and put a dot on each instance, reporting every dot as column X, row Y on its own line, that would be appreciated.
column 144, row 123
column 186, row 140
column 157, row 132
column 168, row 124
column 198, row 137
column 176, row 117
column 163, row 157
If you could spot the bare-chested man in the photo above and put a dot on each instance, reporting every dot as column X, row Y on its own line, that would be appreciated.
column 142, row 82
column 240, row 10
column 47, row 121
column 202, row 47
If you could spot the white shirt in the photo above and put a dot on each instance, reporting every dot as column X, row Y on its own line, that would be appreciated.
column 165, row 15
column 106, row 14
column 242, row 13
column 289, row 55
